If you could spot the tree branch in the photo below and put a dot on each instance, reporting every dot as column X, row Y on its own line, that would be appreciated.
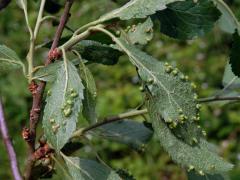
column 38, row 90
column 109, row 120
column 9, row 146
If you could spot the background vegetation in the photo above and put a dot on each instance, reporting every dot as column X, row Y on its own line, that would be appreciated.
column 202, row 59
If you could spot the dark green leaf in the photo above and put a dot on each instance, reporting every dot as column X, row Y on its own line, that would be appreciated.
column 84, row 169
column 188, row 19
column 194, row 176
column 96, row 52
column 230, row 81
column 235, row 55
column 52, row 6
column 90, row 94
column 132, row 133
column 63, row 105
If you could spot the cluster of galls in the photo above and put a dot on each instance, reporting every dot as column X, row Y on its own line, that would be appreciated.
column 133, row 28
column 69, row 103
column 200, row 172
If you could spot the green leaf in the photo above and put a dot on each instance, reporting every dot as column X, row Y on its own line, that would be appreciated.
column 9, row 59
column 199, row 157
column 48, row 73
column 90, row 94
column 188, row 19
column 235, row 55
column 194, row 176
column 137, row 9
column 174, row 95
column 85, row 169
column 98, row 53
column 228, row 21
column 230, row 81
column 132, row 133
column 63, row 105
column 168, row 92
column 141, row 33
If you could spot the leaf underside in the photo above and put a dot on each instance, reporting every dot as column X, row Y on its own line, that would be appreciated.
column 194, row 176
column 132, row 133
column 63, row 105
column 90, row 94
column 85, row 169
column 187, row 19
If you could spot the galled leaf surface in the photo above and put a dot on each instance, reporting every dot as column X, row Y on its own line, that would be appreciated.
column 9, row 59
column 85, row 169
column 132, row 133
column 235, row 55
column 187, row 19
column 63, row 105
column 141, row 33
column 90, row 94
column 167, row 93
column 137, row 9
column 175, row 98
column 96, row 52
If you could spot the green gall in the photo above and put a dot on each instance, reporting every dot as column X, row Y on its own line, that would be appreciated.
column 55, row 128
column 193, row 85
column 168, row 69
column 118, row 33
column 180, row 111
column 198, row 106
column 141, row 88
column 70, row 102
column 186, row 78
column 173, row 125
column 201, row 173
column 175, row 72
column 195, row 96
column 182, row 77
column 169, row 120
column 52, row 120
column 74, row 94
column 204, row 133
column 148, row 30
column 166, row 64
column 212, row 167
column 190, row 168
column 67, row 112
column 194, row 140
column 49, row 93
column 150, row 80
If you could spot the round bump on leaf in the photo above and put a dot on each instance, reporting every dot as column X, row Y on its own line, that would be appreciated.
column 201, row 173
column 67, row 112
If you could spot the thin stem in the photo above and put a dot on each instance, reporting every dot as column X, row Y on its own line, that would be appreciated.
column 39, row 19
column 109, row 120
column 83, row 28
column 219, row 98
column 26, row 17
column 38, row 95
column 9, row 146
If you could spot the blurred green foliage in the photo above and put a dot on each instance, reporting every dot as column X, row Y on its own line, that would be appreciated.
column 202, row 59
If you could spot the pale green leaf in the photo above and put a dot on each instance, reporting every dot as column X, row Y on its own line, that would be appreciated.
column 90, row 94
column 230, row 81
column 63, row 106
column 167, row 92
column 48, row 73
column 228, row 21
column 132, row 133
column 176, row 98
column 137, row 9
column 199, row 157
column 9, row 59
column 141, row 33
column 85, row 169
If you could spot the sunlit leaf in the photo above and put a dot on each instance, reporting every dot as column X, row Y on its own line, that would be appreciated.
column 63, row 105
